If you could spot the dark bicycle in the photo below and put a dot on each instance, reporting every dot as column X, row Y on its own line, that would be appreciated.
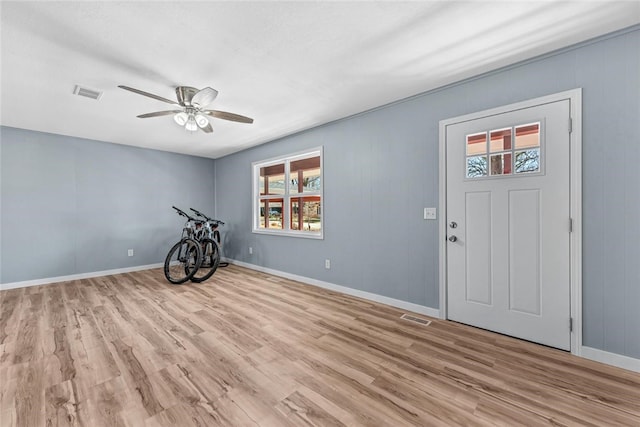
column 215, row 223
column 209, row 239
column 185, row 257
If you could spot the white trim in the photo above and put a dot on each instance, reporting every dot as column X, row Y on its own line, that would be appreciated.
column 575, row 101
column 290, row 233
column 428, row 311
column 46, row 281
column 442, row 219
column 624, row 362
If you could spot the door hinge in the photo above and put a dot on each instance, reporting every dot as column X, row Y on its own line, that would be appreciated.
column 570, row 225
column 571, row 324
column 570, row 125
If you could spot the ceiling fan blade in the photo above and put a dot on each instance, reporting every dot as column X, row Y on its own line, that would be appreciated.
column 159, row 113
column 228, row 116
column 150, row 95
column 204, row 97
column 207, row 128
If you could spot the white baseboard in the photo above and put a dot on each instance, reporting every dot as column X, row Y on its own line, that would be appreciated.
column 46, row 281
column 613, row 359
column 428, row 311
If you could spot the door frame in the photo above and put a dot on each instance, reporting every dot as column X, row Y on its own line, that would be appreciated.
column 575, row 182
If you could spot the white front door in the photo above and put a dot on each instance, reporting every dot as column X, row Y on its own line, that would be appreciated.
column 508, row 223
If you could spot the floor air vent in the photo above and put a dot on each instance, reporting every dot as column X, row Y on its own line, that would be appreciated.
column 415, row 319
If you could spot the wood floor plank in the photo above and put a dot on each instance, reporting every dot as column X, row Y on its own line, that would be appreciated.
column 29, row 341
column 300, row 409
column 108, row 400
column 8, row 383
column 9, row 312
column 179, row 415
column 62, row 352
column 345, row 417
column 249, row 349
column 63, row 406
column 29, row 395
column 7, row 351
column 140, row 378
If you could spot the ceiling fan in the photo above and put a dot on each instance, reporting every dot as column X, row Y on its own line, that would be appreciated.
column 192, row 103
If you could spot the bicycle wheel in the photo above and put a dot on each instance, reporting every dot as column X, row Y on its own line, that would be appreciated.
column 183, row 261
column 210, row 260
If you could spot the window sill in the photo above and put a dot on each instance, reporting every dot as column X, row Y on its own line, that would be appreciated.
column 291, row 233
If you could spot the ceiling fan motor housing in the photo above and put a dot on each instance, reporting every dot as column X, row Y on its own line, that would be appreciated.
column 185, row 94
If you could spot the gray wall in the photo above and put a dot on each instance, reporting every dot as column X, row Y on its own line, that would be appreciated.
column 381, row 170
column 73, row 205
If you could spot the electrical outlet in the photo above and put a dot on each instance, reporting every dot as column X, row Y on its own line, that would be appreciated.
column 327, row 264
column 430, row 213
column 250, row 250
column 130, row 252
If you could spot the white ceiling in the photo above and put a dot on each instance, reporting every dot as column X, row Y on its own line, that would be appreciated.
column 289, row 65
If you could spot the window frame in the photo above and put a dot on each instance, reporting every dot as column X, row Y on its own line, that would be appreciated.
column 287, row 197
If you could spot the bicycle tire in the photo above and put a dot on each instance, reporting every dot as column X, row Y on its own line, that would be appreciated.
column 210, row 260
column 185, row 264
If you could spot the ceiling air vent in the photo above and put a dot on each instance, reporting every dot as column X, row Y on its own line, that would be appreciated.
column 86, row 92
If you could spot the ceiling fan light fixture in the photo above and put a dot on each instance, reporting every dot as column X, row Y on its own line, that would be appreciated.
column 181, row 118
column 201, row 120
column 191, row 124
column 191, row 101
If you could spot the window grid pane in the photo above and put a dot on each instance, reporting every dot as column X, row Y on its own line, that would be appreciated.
column 272, row 179
column 261, row 213
column 271, row 213
column 305, row 176
column 305, row 214
column 476, row 166
column 500, row 140
column 476, row 144
column 528, row 136
column 501, row 164
column 528, row 161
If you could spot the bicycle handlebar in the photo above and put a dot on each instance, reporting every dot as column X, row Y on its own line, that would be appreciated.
column 200, row 214
column 184, row 214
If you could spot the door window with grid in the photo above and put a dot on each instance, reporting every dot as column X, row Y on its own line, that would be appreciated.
column 492, row 153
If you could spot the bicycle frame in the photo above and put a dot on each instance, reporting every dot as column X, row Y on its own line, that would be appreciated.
column 210, row 225
column 193, row 229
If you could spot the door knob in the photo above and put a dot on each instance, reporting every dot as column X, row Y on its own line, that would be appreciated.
column 453, row 224
column 453, row 239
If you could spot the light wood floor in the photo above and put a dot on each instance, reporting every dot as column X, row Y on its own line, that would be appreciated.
column 245, row 348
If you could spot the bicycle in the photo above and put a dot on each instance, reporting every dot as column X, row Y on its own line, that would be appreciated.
column 213, row 224
column 209, row 239
column 185, row 257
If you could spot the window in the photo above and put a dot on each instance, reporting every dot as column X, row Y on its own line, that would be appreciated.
column 492, row 153
column 288, row 195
